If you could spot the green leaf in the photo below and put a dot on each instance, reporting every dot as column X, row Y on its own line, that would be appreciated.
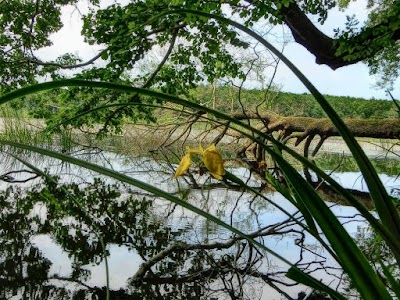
column 104, row 55
column 350, row 256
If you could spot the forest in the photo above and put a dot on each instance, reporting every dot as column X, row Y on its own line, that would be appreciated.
column 298, row 105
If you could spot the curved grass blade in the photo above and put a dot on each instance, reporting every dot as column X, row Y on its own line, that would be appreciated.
column 101, row 240
column 394, row 284
column 388, row 235
column 142, row 185
column 384, row 205
column 311, row 282
column 76, row 82
column 351, row 258
column 145, row 92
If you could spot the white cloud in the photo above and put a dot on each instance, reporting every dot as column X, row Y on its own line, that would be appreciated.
column 69, row 38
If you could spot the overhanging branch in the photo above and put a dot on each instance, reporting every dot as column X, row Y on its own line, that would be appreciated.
column 324, row 47
column 61, row 66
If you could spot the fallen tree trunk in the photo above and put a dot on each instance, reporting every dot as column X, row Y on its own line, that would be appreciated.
column 383, row 129
column 304, row 128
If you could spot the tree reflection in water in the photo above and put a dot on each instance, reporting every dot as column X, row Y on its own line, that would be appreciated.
column 175, row 265
column 170, row 270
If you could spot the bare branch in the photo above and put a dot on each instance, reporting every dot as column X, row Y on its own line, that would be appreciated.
column 162, row 63
column 67, row 67
column 6, row 177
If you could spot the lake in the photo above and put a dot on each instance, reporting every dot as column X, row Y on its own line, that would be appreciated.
column 55, row 233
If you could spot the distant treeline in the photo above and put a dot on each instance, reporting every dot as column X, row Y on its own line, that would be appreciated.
column 288, row 104
column 57, row 106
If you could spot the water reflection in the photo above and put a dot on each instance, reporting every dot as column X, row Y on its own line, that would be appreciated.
column 55, row 234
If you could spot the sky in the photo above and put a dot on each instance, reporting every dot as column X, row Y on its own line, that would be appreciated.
column 352, row 80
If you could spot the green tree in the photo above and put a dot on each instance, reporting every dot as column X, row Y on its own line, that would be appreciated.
column 27, row 25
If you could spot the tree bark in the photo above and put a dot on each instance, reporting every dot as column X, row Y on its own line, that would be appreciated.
column 307, row 129
column 303, row 127
column 315, row 41
column 324, row 47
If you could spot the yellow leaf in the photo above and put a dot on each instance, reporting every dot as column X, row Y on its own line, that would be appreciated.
column 184, row 165
column 213, row 162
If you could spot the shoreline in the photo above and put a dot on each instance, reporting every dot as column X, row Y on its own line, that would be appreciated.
column 374, row 148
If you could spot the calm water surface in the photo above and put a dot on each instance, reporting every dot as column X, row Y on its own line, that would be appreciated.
column 51, row 240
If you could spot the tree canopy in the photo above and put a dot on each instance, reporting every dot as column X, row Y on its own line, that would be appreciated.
column 198, row 49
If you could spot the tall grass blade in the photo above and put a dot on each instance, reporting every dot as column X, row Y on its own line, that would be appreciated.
column 387, row 234
column 351, row 258
column 177, row 100
column 313, row 283
column 394, row 284
column 160, row 193
column 44, row 175
column 384, row 205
